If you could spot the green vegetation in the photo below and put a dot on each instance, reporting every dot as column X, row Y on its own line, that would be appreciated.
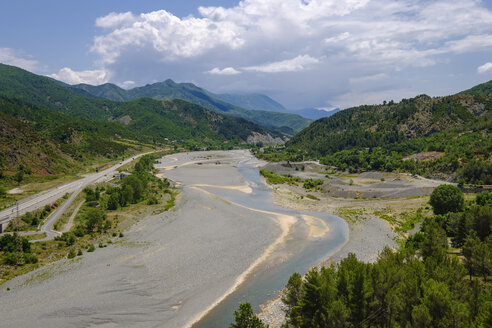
column 58, row 131
column 446, row 198
column 95, row 221
column 423, row 135
column 16, row 250
column 31, row 220
column 274, row 178
column 483, row 89
column 423, row 284
column 245, row 318
column 169, row 90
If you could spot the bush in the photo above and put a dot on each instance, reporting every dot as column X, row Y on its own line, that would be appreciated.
column 71, row 254
column 447, row 198
column 30, row 258
column 91, row 248
column 483, row 198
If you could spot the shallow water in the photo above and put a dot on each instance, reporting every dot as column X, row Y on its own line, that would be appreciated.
column 267, row 281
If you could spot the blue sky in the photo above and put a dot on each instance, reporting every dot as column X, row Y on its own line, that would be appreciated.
column 303, row 53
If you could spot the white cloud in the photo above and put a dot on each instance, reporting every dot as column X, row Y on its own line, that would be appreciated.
column 485, row 68
column 12, row 57
column 346, row 41
column 115, row 20
column 225, row 71
column 296, row 64
column 94, row 77
column 127, row 84
column 165, row 34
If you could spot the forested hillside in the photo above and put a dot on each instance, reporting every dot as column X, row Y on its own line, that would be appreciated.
column 66, row 128
column 449, row 134
column 168, row 90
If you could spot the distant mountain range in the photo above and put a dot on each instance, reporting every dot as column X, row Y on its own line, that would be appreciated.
column 280, row 120
column 256, row 101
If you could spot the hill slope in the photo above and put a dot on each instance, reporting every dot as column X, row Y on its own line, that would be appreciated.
column 176, row 122
column 480, row 90
column 20, row 144
column 439, row 137
column 190, row 92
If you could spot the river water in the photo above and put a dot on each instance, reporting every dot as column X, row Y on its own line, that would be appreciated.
column 301, row 252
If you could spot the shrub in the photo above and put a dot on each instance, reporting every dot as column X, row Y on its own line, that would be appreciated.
column 446, row 198
column 30, row 258
column 71, row 253
column 91, row 248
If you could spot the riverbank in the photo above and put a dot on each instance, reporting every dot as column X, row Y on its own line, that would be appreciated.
column 167, row 270
column 374, row 223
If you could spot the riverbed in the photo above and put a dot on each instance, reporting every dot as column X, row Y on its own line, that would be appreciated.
column 224, row 243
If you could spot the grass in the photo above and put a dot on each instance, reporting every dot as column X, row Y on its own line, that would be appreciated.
column 17, row 224
column 274, row 178
column 312, row 197
column 351, row 213
column 60, row 224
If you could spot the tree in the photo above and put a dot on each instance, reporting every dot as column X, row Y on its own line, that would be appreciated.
column 446, row 198
column 245, row 318
column 19, row 176
column 94, row 219
column 137, row 187
column 126, row 195
column 113, row 201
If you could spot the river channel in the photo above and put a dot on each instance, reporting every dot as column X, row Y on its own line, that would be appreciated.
column 298, row 253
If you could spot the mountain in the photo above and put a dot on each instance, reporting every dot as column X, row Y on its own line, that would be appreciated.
column 315, row 114
column 253, row 101
column 20, row 143
column 86, row 127
column 441, row 137
column 480, row 90
column 377, row 125
column 285, row 122
column 51, row 142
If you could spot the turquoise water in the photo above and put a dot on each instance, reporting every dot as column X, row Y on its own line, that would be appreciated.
column 266, row 282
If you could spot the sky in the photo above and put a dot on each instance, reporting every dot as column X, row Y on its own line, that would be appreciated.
column 302, row 53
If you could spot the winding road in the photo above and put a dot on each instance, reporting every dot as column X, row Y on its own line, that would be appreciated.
column 49, row 196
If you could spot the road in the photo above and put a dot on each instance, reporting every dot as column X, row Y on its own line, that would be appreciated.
column 49, row 196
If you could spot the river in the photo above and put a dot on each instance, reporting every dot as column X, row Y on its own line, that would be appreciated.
column 299, row 252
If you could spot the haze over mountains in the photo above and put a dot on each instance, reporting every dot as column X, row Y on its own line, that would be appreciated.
column 282, row 121
column 235, row 104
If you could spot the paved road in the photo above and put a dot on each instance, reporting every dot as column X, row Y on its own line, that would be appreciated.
column 47, row 197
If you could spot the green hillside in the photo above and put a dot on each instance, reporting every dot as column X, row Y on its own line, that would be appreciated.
column 168, row 89
column 45, row 92
column 74, row 129
column 380, row 137
column 178, row 122
column 51, row 142
column 480, row 90
column 20, row 144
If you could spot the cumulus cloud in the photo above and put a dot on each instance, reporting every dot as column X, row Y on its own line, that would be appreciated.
column 115, row 20
column 225, row 71
column 485, row 68
column 348, row 42
column 94, row 77
column 298, row 63
column 12, row 57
